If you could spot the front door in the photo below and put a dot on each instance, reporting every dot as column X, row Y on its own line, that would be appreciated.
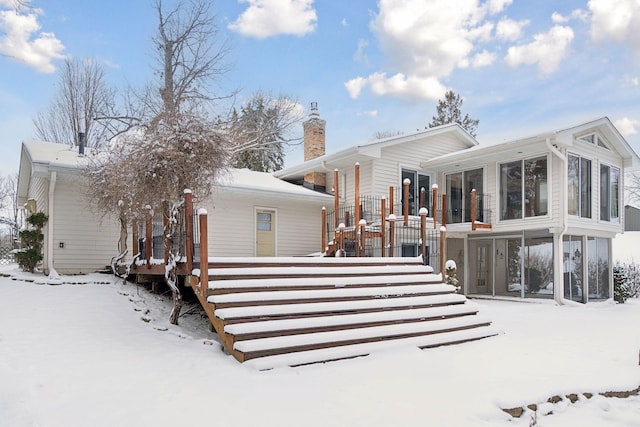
column 265, row 232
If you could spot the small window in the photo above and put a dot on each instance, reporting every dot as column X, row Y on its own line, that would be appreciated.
column 588, row 138
column 264, row 221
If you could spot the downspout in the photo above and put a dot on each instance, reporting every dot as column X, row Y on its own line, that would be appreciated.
column 558, row 273
column 52, row 187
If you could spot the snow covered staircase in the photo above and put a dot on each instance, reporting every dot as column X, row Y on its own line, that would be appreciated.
column 292, row 311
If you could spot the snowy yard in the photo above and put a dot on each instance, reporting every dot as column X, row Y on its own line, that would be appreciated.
column 102, row 354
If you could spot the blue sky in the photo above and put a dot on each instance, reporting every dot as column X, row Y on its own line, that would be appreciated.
column 522, row 67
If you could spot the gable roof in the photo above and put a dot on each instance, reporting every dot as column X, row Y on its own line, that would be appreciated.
column 520, row 147
column 349, row 156
column 39, row 157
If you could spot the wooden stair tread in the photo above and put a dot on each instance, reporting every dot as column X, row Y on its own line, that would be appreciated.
column 364, row 349
column 280, row 325
column 224, row 262
column 324, row 271
column 339, row 306
column 324, row 281
column 289, row 343
column 332, row 293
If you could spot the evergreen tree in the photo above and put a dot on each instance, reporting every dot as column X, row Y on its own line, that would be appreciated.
column 448, row 111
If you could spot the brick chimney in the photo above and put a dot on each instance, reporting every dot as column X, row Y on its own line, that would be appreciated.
column 314, row 146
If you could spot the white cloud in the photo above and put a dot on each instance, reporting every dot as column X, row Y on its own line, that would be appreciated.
column 616, row 20
column 20, row 40
column 558, row 18
column 266, row 18
column 360, row 56
column 424, row 41
column 510, row 30
column 409, row 88
column 497, row 6
column 344, row 22
column 369, row 113
column 627, row 126
column 355, row 86
column 547, row 50
column 635, row 81
column 483, row 59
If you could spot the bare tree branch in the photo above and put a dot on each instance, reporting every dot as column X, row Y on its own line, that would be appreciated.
column 82, row 95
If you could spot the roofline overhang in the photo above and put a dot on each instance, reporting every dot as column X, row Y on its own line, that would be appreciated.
column 373, row 150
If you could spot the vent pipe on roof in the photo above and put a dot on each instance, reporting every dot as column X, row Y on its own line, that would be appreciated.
column 82, row 140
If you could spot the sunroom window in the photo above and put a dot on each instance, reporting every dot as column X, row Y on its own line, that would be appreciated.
column 523, row 183
column 579, row 186
column 609, row 193
column 459, row 186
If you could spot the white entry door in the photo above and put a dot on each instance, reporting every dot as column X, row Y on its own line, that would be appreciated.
column 265, row 232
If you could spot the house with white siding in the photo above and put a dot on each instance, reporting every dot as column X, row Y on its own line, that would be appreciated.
column 250, row 213
column 548, row 205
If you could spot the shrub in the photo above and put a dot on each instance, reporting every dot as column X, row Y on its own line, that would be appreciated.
column 624, row 285
column 31, row 239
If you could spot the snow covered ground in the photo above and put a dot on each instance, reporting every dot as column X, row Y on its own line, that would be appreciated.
column 100, row 353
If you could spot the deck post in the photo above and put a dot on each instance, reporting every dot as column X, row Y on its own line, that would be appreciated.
column 204, row 253
column 392, row 233
column 341, row 236
column 188, row 225
column 444, row 210
column 356, row 206
column 423, row 197
column 383, row 225
column 135, row 247
column 443, row 255
column 165, row 226
column 336, row 199
column 423, row 234
column 361, row 244
column 324, row 230
column 473, row 209
column 405, row 201
column 434, row 202
column 391, row 200
column 148, row 236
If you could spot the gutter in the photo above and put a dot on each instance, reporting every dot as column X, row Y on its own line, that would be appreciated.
column 52, row 187
column 558, row 291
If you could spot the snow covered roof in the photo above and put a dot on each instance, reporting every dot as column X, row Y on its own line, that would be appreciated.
column 248, row 180
column 347, row 157
column 43, row 157
column 533, row 144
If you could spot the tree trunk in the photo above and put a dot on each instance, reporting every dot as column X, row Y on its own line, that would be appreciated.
column 177, row 306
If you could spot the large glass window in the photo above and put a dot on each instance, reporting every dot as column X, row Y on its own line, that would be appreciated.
column 572, row 268
column 598, row 267
column 538, row 267
column 459, row 186
column 423, row 181
column 579, row 186
column 609, row 193
column 535, row 187
column 523, row 183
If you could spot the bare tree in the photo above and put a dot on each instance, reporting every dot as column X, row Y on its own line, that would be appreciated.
column 170, row 143
column 633, row 186
column 259, row 133
column 382, row 134
column 9, row 202
column 82, row 95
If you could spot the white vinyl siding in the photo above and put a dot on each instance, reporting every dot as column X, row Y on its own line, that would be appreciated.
column 232, row 223
column 89, row 241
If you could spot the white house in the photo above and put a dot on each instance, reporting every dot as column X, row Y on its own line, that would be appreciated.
column 250, row 213
column 550, row 204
